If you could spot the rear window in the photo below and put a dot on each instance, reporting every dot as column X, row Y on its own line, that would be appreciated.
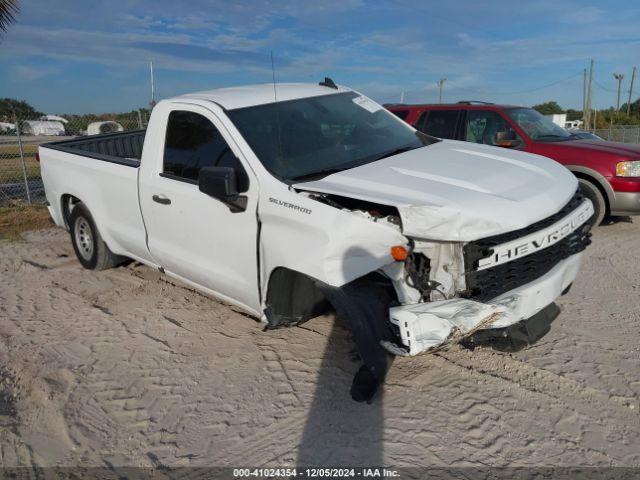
column 439, row 123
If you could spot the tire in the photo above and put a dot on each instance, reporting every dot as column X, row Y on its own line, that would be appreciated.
column 90, row 249
column 594, row 194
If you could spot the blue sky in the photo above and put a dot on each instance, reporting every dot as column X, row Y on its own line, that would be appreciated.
column 73, row 56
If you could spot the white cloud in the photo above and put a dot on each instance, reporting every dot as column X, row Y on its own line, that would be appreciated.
column 171, row 50
column 30, row 73
column 582, row 15
column 378, row 47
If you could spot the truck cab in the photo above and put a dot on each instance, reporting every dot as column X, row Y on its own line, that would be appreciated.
column 608, row 172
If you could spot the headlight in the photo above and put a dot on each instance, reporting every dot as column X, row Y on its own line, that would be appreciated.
column 628, row 169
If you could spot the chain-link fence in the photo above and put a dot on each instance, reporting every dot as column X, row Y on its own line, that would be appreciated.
column 620, row 133
column 19, row 140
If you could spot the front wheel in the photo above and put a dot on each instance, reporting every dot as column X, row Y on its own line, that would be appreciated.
column 594, row 194
column 90, row 249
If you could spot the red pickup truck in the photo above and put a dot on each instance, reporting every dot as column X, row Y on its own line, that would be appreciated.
column 608, row 172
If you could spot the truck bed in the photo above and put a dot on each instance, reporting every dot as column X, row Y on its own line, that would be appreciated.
column 101, row 171
column 124, row 148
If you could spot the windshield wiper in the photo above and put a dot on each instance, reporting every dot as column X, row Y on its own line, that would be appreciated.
column 328, row 171
column 316, row 175
column 553, row 135
column 395, row 152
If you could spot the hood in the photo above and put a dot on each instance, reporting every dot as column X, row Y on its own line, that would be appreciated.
column 458, row 191
column 616, row 149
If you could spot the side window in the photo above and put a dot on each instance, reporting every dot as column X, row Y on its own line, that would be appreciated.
column 192, row 142
column 439, row 123
column 482, row 126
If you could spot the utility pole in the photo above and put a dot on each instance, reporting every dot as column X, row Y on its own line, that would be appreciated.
column 441, row 86
column 633, row 77
column 618, row 77
column 152, row 103
column 401, row 97
column 589, row 97
column 584, row 95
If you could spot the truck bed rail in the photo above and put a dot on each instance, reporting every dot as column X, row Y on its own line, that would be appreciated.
column 124, row 148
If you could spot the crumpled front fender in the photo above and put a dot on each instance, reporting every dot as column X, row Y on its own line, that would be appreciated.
column 328, row 244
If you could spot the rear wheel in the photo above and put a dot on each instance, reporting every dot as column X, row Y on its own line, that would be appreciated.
column 594, row 194
column 90, row 249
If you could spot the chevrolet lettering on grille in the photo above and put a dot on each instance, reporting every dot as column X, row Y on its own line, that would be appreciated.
column 537, row 241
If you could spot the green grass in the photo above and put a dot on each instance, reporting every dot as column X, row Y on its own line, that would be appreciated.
column 20, row 217
column 11, row 165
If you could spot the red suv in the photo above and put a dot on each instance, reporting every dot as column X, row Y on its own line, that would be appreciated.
column 608, row 172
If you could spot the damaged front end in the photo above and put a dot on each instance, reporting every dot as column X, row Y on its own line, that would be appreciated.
column 440, row 293
column 498, row 281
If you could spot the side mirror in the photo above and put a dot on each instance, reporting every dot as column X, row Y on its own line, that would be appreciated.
column 222, row 183
column 507, row 139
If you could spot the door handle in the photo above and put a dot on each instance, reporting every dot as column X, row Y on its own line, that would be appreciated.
column 161, row 199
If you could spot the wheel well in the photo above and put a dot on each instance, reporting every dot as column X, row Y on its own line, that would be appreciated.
column 67, row 202
column 597, row 184
column 293, row 297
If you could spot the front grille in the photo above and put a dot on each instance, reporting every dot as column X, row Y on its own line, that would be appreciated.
column 483, row 285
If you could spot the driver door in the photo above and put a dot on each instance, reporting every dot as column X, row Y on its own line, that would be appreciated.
column 191, row 235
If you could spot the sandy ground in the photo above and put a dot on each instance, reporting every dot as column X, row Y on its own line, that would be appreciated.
column 124, row 367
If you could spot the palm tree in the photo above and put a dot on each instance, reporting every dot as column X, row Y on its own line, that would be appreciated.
column 8, row 10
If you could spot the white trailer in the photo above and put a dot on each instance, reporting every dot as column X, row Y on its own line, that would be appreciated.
column 42, row 127
column 108, row 126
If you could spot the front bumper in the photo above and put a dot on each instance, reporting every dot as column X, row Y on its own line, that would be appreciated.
column 626, row 203
column 425, row 326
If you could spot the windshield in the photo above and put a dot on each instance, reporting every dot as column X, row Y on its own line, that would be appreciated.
column 312, row 137
column 537, row 126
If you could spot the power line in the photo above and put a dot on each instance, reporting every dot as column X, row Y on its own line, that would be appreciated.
column 490, row 92
column 602, row 87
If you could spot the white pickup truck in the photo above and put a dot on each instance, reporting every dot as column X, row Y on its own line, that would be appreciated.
column 291, row 199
